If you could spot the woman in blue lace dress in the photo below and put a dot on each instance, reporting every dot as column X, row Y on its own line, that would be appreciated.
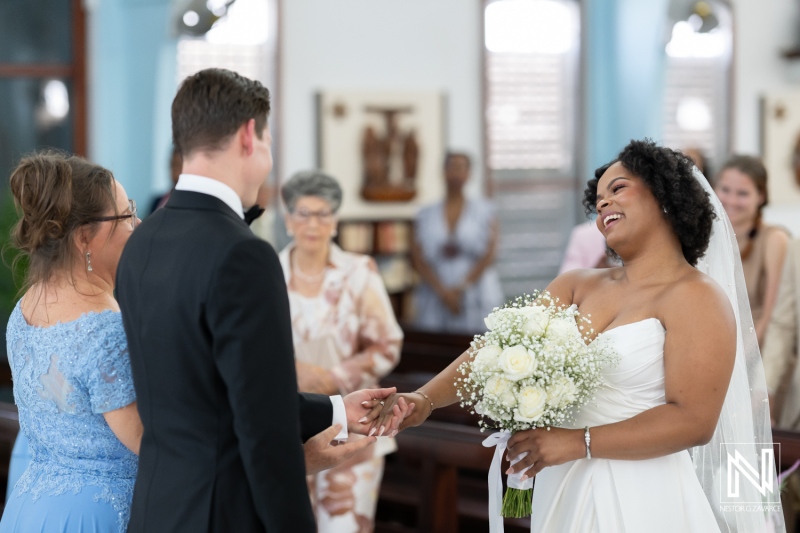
column 68, row 352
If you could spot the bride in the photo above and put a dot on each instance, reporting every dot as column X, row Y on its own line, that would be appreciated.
column 689, row 381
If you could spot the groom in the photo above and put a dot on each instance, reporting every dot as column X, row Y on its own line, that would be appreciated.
column 206, row 313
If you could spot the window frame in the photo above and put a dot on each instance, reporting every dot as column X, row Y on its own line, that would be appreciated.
column 74, row 72
column 518, row 179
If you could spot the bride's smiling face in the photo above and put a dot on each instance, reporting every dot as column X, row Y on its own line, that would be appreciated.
column 625, row 206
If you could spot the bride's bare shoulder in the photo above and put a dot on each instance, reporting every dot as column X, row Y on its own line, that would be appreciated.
column 569, row 284
column 698, row 295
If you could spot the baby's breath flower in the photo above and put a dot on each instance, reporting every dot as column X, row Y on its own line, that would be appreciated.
column 567, row 370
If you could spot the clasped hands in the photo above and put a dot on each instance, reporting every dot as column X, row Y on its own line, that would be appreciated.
column 363, row 408
column 540, row 447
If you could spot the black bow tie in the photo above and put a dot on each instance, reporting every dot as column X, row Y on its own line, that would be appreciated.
column 253, row 213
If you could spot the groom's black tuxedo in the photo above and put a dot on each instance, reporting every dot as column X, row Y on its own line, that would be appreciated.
column 206, row 313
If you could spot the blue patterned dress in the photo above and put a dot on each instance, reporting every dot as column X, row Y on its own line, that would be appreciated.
column 66, row 376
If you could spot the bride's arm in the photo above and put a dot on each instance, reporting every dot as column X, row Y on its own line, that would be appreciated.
column 699, row 354
column 438, row 392
column 441, row 390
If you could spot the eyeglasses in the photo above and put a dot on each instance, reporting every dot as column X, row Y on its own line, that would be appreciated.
column 304, row 216
column 132, row 215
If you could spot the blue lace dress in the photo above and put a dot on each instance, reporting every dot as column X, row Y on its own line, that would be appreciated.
column 81, row 477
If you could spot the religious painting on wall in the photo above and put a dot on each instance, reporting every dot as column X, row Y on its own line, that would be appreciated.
column 384, row 147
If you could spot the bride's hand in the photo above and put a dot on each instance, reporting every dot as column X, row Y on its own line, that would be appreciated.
column 365, row 406
column 419, row 411
column 545, row 448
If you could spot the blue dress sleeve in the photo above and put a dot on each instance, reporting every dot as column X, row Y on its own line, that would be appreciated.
column 108, row 376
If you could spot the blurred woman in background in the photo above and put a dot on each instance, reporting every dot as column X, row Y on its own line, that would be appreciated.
column 346, row 338
column 742, row 188
column 455, row 243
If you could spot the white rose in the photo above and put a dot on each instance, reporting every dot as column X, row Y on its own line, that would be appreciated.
column 517, row 363
column 497, row 385
column 487, row 357
column 563, row 329
column 536, row 321
column 561, row 392
column 530, row 404
column 501, row 389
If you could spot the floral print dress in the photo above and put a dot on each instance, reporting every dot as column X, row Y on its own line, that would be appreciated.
column 350, row 329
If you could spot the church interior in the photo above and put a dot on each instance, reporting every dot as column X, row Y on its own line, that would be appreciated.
column 505, row 107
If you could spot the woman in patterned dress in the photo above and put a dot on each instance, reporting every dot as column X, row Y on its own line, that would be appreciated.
column 346, row 338
column 68, row 352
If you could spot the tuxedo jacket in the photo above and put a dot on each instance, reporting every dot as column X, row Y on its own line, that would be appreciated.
column 206, row 313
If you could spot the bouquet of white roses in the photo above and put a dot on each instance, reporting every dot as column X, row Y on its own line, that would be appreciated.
column 534, row 368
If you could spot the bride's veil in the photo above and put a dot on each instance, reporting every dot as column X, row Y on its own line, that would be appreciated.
column 744, row 423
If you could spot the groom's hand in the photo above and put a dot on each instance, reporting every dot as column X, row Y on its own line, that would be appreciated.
column 412, row 417
column 321, row 454
column 363, row 408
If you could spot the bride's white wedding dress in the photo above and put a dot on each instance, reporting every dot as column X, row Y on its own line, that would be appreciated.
column 615, row 496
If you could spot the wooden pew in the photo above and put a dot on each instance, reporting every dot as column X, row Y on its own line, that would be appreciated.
column 9, row 427
column 789, row 442
column 424, row 351
column 439, row 474
column 441, row 471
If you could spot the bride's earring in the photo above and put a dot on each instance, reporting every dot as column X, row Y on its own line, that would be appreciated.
column 88, row 261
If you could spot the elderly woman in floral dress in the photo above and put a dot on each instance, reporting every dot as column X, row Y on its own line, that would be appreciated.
column 345, row 335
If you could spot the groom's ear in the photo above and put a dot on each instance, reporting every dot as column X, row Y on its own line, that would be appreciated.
column 246, row 135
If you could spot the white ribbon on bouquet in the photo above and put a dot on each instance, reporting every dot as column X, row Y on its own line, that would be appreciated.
column 500, row 442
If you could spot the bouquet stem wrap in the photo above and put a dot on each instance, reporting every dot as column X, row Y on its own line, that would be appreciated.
column 518, row 490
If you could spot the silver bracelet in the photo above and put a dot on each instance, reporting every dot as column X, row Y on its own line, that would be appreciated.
column 588, row 438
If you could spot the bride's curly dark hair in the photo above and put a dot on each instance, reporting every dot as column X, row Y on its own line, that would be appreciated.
column 668, row 175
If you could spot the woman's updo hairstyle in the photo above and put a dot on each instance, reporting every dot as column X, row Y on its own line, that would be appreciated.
column 56, row 194
column 670, row 177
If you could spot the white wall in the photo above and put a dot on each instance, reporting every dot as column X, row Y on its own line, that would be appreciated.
column 372, row 44
column 763, row 29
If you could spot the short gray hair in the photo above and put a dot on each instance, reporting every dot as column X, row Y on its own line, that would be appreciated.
column 312, row 183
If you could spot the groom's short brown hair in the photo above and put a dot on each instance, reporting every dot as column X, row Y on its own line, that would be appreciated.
column 211, row 105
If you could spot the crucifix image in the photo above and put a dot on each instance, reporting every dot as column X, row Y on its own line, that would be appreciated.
column 390, row 158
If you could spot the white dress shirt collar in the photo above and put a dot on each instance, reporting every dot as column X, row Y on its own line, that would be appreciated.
column 211, row 187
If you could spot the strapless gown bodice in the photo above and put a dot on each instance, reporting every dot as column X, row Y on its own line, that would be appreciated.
column 616, row 496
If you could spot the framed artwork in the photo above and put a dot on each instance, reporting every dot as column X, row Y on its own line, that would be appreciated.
column 781, row 146
column 385, row 148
